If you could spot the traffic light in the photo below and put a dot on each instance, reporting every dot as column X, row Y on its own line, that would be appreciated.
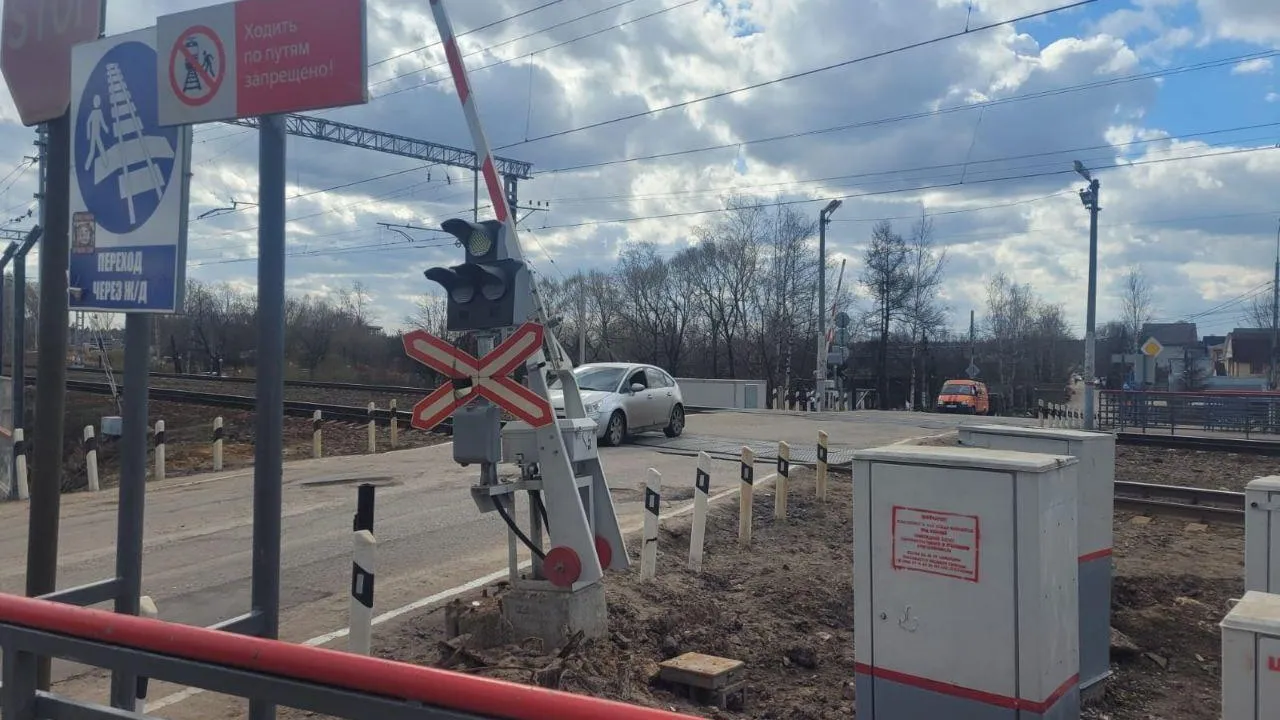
column 490, row 290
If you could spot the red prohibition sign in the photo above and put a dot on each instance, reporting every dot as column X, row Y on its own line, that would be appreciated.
column 488, row 376
column 194, row 67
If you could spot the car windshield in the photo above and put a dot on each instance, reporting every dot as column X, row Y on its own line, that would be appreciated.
column 956, row 389
column 596, row 378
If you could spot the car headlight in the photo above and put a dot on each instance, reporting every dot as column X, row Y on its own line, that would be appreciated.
column 592, row 408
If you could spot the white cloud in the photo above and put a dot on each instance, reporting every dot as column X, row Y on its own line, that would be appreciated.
column 1193, row 222
column 1273, row 97
column 1256, row 65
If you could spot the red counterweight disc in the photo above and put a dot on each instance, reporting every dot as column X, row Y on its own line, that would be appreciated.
column 605, row 552
column 562, row 566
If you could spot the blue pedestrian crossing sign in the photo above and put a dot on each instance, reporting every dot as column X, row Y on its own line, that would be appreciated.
column 130, row 179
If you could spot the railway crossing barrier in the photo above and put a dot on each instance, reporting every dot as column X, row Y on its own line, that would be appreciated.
column 326, row 682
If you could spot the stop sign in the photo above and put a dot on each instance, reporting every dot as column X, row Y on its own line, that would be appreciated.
column 35, row 52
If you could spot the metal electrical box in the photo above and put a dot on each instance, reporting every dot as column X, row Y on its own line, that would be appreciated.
column 1095, row 511
column 1251, row 658
column 520, row 441
column 1262, row 534
column 965, row 585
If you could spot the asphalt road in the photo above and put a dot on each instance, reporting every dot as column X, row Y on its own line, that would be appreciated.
column 431, row 536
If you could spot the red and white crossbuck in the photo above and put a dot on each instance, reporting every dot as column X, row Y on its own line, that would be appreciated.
column 487, row 377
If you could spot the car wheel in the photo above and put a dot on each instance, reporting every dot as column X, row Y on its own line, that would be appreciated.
column 676, row 426
column 616, row 431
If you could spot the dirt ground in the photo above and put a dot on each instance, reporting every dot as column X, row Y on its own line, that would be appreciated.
column 788, row 612
column 1195, row 468
column 189, row 439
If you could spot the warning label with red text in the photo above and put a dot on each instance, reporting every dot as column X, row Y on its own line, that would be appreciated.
column 936, row 542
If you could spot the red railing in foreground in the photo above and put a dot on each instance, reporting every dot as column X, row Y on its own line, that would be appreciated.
column 359, row 673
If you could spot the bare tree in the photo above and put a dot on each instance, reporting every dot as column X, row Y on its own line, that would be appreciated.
column 886, row 276
column 1009, row 320
column 1137, row 306
column 925, row 313
column 1259, row 314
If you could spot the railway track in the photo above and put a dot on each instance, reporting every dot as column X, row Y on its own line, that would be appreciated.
column 293, row 408
column 1201, row 442
column 1192, row 503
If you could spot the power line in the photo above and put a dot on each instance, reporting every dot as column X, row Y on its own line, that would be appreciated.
column 921, row 168
column 558, row 45
column 1192, row 67
column 495, row 23
column 802, row 74
column 783, row 203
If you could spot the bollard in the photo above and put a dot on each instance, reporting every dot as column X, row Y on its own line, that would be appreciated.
column 315, row 434
column 91, row 458
column 395, row 428
column 746, row 496
column 360, row 635
column 159, row 450
column 1041, row 411
column 147, row 609
column 217, row 444
column 652, row 505
column 701, row 491
column 821, row 470
column 373, row 430
column 363, row 519
column 780, row 485
column 20, row 464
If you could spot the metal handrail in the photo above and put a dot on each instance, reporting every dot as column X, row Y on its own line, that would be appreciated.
column 1238, row 411
column 310, row 678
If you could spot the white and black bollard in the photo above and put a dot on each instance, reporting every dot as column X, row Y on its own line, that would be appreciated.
column 217, row 444
column 315, row 434
column 746, row 495
column 395, row 426
column 373, row 430
column 652, row 505
column 780, row 485
column 159, row 450
column 91, row 458
column 20, row 464
column 147, row 609
column 701, row 493
column 821, row 471
column 364, row 551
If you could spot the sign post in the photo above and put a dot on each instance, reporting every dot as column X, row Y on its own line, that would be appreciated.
column 261, row 58
column 35, row 57
column 129, row 182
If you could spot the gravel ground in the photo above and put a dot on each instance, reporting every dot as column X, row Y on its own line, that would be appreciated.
column 1193, row 468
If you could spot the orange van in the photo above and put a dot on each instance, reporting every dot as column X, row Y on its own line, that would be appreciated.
column 964, row 396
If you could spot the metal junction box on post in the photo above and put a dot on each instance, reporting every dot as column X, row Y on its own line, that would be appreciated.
column 1251, row 658
column 1094, row 514
column 965, row 597
column 1262, row 535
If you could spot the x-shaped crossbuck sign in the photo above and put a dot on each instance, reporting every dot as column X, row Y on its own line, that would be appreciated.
column 484, row 377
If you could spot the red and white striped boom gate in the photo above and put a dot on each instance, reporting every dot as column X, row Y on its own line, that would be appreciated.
column 327, row 682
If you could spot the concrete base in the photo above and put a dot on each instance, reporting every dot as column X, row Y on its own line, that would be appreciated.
column 552, row 615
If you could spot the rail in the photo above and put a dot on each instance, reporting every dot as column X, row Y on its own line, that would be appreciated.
column 327, row 682
column 1181, row 501
column 1250, row 413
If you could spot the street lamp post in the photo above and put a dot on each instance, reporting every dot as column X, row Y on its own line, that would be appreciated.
column 820, row 374
column 1089, row 197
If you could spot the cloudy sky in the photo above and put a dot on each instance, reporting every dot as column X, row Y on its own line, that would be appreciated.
column 1175, row 103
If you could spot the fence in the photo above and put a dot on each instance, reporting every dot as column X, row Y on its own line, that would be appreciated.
column 328, row 682
column 1242, row 412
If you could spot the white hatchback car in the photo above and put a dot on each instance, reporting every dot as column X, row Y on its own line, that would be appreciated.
column 626, row 398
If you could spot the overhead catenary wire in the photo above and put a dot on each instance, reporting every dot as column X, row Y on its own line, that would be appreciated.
column 798, row 75
column 1067, row 89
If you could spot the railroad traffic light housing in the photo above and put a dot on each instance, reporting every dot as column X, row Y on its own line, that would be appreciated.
column 490, row 290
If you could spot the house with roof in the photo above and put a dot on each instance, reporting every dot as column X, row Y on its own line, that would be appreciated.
column 1248, row 353
column 1182, row 357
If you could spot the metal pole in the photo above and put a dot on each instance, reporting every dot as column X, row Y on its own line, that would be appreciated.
column 1091, row 372
column 133, row 484
column 51, row 382
column 475, row 191
column 821, row 375
column 4, row 263
column 268, row 450
column 1275, row 314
